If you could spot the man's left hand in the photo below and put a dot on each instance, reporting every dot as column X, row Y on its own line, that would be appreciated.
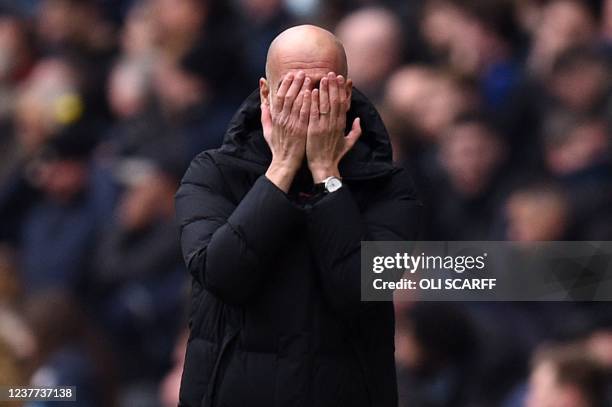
column 326, row 143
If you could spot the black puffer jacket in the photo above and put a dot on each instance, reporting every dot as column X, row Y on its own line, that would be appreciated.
column 276, row 317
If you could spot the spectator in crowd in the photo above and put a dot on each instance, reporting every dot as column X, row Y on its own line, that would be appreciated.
column 438, row 27
column 59, row 230
column 372, row 38
column 193, row 96
column 17, row 59
column 539, row 212
column 265, row 18
column 563, row 24
column 599, row 344
column 74, row 25
column 129, row 89
column 419, row 104
column 77, row 30
column 501, row 109
column 180, row 23
column 566, row 375
column 68, row 352
column 17, row 55
column 577, row 153
column 427, row 100
column 137, row 120
column 138, row 278
column 435, row 344
column 564, row 69
column 138, row 38
column 47, row 100
column 469, row 184
column 580, row 80
column 476, row 39
column 491, row 32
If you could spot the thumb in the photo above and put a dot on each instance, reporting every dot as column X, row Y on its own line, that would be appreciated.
column 354, row 134
column 266, row 119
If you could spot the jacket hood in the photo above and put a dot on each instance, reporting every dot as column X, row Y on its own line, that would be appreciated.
column 369, row 158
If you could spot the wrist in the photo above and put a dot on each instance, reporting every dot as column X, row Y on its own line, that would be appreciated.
column 281, row 174
column 321, row 173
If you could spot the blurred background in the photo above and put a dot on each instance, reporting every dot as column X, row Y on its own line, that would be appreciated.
column 501, row 109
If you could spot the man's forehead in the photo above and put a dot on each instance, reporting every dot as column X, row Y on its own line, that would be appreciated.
column 314, row 70
column 315, row 73
column 314, row 51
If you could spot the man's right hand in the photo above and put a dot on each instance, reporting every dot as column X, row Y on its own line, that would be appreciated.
column 285, row 124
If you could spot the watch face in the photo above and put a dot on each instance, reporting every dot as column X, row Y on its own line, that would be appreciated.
column 333, row 184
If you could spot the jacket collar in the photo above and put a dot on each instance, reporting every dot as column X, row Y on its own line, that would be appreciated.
column 370, row 157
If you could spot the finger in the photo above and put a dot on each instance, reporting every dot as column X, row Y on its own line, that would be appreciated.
column 266, row 118
column 324, row 96
column 293, row 92
column 342, row 93
column 333, row 96
column 305, row 110
column 354, row 134
column 297, row 104
column 314, row 106
column 277, row 104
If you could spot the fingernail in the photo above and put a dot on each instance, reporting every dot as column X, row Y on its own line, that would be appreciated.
column 340, row 79
column 307, row 81
column 301, row 74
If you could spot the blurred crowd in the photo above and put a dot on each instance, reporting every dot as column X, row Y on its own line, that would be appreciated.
column 501, row 109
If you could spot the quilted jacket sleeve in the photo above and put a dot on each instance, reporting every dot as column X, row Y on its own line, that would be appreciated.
column 225, row 246
column 337, row 226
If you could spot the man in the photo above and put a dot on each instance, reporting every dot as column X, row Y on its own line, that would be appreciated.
column 566, row 375
column 74, row 196
column 271, row 226
column 137, row 258
column 372, row 37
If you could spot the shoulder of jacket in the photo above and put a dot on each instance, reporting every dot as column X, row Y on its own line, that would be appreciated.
column 203, row 169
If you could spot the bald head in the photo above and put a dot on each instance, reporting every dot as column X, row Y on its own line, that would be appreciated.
column 305, row 48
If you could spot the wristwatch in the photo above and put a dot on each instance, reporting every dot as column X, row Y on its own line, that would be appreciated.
column 329, row 185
